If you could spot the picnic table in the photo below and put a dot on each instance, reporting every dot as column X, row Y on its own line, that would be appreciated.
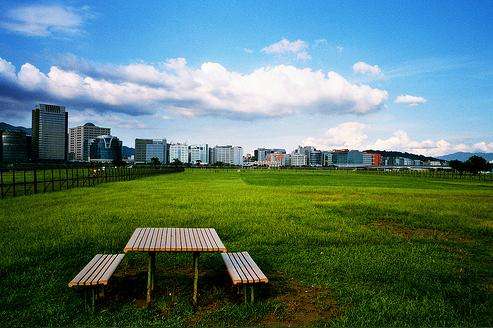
column 192, row 240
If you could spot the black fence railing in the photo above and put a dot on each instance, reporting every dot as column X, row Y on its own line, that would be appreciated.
column 17, row 182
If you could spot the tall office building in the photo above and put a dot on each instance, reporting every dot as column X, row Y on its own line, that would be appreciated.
column 140, row 150
column 78, row 146
column 157, row 149
column 49, row 132
column 227, row 155
column 105, row 149
column 199, row 153
column 14, row 147
column 178, row 151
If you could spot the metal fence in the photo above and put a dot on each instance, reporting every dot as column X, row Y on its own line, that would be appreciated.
column 17, row 182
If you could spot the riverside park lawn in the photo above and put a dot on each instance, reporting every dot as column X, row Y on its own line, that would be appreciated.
column 340, row 249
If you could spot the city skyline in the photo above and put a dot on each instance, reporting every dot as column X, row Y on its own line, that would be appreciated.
column 408, row 77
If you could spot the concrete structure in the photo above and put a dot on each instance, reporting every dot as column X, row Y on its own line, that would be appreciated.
column 199, row 154
column 298, row 159
column 277, row 159
column 376, row 159
column 315, row 157
column 78, row 146
column 157, row 149
column 140, row 150
column 49, row 133
column 227, row 155
column 179, row 152
column 105, row 149
column 326, row 158
column 14, row 147
column 339, row 156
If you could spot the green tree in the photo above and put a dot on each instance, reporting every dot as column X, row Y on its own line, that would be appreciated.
column 176, row 163
column 457, row 166
column 155, row 162
column 476, row 164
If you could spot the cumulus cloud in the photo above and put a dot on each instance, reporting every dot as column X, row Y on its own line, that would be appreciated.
column 353, row 135
column 409, row 100
column 349, row 135
column 298, row 48
column 364, row 68
column 43, row 20
column 211, row 89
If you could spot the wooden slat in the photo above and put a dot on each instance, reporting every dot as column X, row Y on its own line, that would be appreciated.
column 231, row 269
column 219, row 243
column 197, row 239
column 172, row 240
column 261, row 276
column 97, row 270
column 204, row 240
column 193, row 241
column 96, row 267
column 85, row 270
column 248, row 267
column 142, row 239
column 103, row 269
column 162, row 242
column 155, row 239
column 183, row 240
column 109, row 272
column 188, row 239
column 132, row 239
column 149, row 239
column 237, row 267
column 214, row 247
column 244, row 268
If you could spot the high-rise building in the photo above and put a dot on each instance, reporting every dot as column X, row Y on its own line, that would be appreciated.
column 78, row 146
column 199, row 154
column 179, row 152
column 49, row 132
column 157, row 149
column 105, row 149
column 261, row 153
column 140, row 150
column 340, row 156
column 326, row 158
column 14, row 147
column 298, row 159
column 227, row 155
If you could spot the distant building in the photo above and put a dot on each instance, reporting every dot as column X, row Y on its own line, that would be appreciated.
column 277, row 159
column 326, row 158
column 179, row 152
column 340, row 156
column 157, row 149
column 199, row 154
column 376, row 159
column 227, row 155
column 105, row 149
column 315, row 157
column 141, row 149
column 298, row 159
column 14, row 147
column 79, row 137
column 435, row 163
column 49, row 133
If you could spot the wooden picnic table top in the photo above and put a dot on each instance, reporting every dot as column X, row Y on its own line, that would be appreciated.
column 175, row 240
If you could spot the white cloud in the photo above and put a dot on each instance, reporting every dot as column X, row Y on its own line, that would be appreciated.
column 248, row 50
column 339, row 49
column 43, row 20
column 364, row 68
column 210, row 89
column 299, row 48
column 349, row 135
column 409, row 100
column 353, row 135
column 321, row 42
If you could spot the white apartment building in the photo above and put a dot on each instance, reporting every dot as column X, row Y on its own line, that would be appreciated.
column 178, row 151
column 227, row 155
column 199, row 153
column 298, row 159
column 78, row 145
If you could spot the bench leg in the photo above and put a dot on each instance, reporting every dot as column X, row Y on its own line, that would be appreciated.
column 150, row 277
column 195, row 277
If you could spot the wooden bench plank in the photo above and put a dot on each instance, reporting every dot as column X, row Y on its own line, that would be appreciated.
column 246, row 266
column 103, row 280
column 85, row 270
column 205, row 238
column 218, row 241
column 103, row 269
column 261, row 276
column 198, row 240
column 237, row 267
column 214, row 246
column 133, row 239
column 88, row 281
column 147, row 243
column 235, row 277
column 142, row 239
column 241, row 266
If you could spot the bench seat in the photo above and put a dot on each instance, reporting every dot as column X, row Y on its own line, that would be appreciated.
column 242, row 269
column 98, row 271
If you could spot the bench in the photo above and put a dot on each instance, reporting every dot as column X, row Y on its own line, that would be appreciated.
column 97, row 272
column 243, row 271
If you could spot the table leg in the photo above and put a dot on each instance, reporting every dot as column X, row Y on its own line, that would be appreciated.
column 195, row 276
column 150, row 277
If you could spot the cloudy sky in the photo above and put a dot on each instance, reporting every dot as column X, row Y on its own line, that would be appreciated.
column 414, row 76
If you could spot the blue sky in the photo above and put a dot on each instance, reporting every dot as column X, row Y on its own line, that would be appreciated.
column 414, row 76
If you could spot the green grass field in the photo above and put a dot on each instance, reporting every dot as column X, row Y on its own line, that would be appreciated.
column 341, row 249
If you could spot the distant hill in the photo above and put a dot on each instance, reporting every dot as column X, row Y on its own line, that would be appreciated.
column 402, row 154
column 127, row 151
column 464, row 156
column 7, row 127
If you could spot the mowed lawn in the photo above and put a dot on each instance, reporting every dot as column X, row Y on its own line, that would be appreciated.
column 340, row 249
